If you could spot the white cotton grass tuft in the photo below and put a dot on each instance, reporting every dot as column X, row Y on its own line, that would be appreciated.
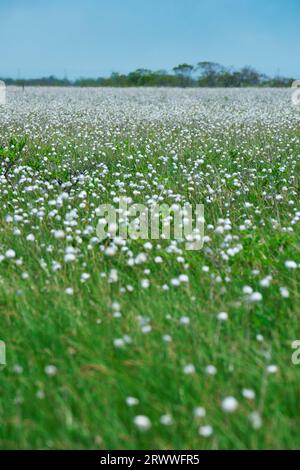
column 247, row 290
column 132, row 401
column 255, row 420
column 145, row 283
column 119, row 343
column 189, row 369
column 166, row 420
column 266, row 281
column 255, row 297
column 10, row 254
column 199, row 412
column 142, row 422
column 84, row 277
column 248, row 393
column 18, row 369
column 272, row 369
column 252, row 296
column 284, row 292
column 210, row 370
column 51, row 370
column 69, row 257
column 167, row 338
column 69, row 291
column 30, row 237
column 205, row 431
column 222, row 316
column 290, row 264
column 59, row 234
column 229, row 404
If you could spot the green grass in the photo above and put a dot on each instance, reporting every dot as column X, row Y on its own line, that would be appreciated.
column 84, row 405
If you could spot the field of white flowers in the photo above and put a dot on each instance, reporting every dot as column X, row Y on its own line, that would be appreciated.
column 142, row 344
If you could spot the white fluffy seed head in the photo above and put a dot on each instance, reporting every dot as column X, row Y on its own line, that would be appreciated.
column 10, row 254
column 229, row 404
column 206, row 431
column 142, row 422
column 222, row 316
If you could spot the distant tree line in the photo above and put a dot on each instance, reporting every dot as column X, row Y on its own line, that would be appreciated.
column 204, row 74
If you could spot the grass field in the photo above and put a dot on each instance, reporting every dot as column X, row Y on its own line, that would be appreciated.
column 112, row 346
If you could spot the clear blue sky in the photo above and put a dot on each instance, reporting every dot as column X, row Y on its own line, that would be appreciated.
column 96, row 37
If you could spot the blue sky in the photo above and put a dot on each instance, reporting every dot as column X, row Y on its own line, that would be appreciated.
column 96, row 37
